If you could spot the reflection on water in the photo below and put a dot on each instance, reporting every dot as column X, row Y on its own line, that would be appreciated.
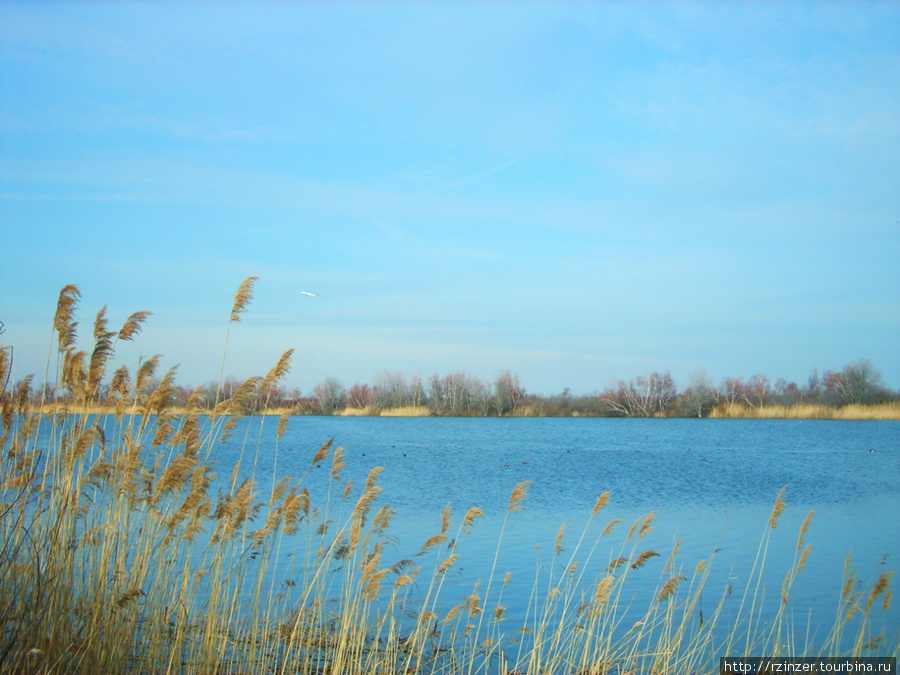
column 713, row 483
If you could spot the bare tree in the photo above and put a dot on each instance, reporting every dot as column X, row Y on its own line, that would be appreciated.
column 757, row 391
column 732, row 389
column 391, row 390
column 858, row 382
column 330, row 395
column 481, row 397
column 509, row 393
column 786, row 393
column 646, row 396
column 415, row 392
column 700, row 396
column 359, row 396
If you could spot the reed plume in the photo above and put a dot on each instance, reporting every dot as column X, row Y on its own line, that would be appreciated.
column 445, row 519
column 133, row 326
column 447, row 564
column 373, row 476
column 471, row 515
column 609, row 528
column 276, row 374
column 243, row 297
column 671, row 560
column 75, row 373
column 646, row 526
column 431, row 543
column 804, row 528
column 63, row 322
column 103, row 350
column 602, row 501
column 322, row 453
column 365, row 501
column 881, row 586
column 337, row 463
column 615, row 564
column 557, row 546
column 519, row 494
column 669, row 588
column 601, row 595
column 145, row 373
column 777, row 510
column 5, row 368
column 282, row 425
column 643, row 558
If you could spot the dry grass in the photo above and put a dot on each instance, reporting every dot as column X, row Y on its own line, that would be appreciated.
column 882, row 411
column 116, row 556
column 368, row 411
column 408, row 411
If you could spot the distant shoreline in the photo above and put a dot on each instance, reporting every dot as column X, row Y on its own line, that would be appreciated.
column 732, row 411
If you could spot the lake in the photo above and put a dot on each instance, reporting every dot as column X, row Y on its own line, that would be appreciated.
column 713, row 483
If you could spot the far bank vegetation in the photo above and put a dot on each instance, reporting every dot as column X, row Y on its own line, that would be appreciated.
column 852, row 393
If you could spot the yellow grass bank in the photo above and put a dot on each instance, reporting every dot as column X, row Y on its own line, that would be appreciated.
column 882, row 411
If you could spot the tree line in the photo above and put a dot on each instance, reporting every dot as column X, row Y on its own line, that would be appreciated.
column 459, row 395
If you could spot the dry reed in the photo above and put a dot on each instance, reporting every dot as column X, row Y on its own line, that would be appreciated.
column 408, row 411
column 808, row 411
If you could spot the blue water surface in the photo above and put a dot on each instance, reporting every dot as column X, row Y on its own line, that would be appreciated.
column 712, row 482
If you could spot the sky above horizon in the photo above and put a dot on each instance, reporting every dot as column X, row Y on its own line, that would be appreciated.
column 576, row 192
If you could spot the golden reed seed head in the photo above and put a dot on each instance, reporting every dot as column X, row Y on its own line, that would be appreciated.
column 601, row 595
column 452, row 613
column 447, row 564
column 777, row 510
column 671, row 560
column 669, row 588
column 445, row 519
column 602, row 501
column 615, row 564
column 133, row 325
column 643, row 558
column 431, row 543
column 519, row 494
column 645, row 527
column 373, row 476
column 243, row 297
column 609, row 528
column 322, row 453
column 848, row 585
column 63, row 322
column 365, row 501
column 804, row 528
column 881, row 586
column 282, row 425
column 337, row 463
column 471, row 515
column 278, row 372
column 557, row 546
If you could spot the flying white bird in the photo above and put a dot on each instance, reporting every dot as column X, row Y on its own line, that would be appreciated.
column 312, row 295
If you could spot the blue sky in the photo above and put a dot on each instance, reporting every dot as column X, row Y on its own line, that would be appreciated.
column 576, row 192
